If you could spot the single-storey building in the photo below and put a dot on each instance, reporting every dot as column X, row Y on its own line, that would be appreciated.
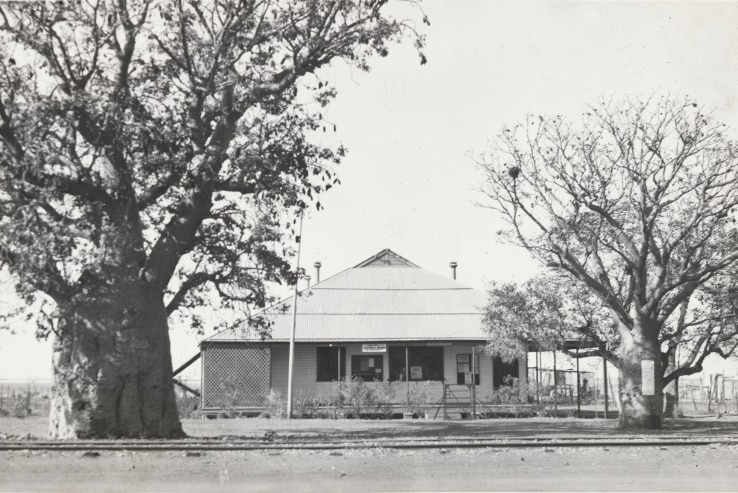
column 385, row 319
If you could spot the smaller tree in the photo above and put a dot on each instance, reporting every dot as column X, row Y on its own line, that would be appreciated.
column 553, row 308
column 547, row 311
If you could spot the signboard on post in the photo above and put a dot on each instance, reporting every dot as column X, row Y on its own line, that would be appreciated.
column 648, row 376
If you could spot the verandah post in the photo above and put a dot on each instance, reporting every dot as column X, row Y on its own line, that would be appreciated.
column 474, row 382
column 407, row 376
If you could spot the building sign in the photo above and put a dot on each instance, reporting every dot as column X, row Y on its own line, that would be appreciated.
column 648, row 374
column 416, row 372
column 374, row 348
column 439, row 344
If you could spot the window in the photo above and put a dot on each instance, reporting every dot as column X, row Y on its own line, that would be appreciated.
column 464, row 367
column 501, row 370
column 368, row 368
column 424, row 363
column 327, row 362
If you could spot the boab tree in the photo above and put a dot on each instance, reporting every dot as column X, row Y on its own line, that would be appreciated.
column 636, row 203
column 149, row 151
column 553, row 307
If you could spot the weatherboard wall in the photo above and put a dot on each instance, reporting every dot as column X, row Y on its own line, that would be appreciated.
column 305, row 373
column 260, row 367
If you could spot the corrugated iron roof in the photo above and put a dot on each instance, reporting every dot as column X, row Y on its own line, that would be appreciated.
column 375, row 301
column 393, row 300
column 389, row 278
column 393, row 327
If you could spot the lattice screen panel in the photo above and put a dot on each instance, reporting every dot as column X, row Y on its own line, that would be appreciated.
column 235, row 376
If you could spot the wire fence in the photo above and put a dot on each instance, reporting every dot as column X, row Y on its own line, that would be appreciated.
column 707, row 393
column 24, row 398
column 711, row 394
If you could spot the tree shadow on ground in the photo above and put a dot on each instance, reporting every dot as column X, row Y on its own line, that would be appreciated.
column 501, row 429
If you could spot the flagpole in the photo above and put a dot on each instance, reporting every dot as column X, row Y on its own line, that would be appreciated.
column 294, row 325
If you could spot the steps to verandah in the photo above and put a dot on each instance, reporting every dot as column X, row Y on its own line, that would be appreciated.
column 460, row 399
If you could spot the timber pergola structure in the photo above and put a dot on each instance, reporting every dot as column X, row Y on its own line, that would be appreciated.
column 568, row 346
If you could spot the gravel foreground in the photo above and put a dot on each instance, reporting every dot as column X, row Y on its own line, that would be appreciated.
column 546, row 468
column 540, row 469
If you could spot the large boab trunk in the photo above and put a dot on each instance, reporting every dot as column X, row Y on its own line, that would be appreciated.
column 641, row 390
column 671, row 400
column 113, row 368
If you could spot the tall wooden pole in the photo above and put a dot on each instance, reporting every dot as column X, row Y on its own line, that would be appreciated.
column 294, row 325
column 556, row 394
column 579, row 388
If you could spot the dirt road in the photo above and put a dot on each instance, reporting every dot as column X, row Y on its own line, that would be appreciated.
column 707, row 468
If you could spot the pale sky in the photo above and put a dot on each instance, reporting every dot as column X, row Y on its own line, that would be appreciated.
column 408, row 181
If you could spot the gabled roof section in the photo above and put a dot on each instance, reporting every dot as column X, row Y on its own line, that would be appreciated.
column 385, row 297
column 386, row 258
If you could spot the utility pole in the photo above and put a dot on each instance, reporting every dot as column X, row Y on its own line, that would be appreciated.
column 294, row 325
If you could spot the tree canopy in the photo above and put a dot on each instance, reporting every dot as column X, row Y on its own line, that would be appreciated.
column 190, row 123
column 544, row 313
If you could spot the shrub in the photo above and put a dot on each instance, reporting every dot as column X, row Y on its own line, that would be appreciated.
column 188, row 406
column 275, row 404
column 354, row 398
column 349, row 398
column 513, row 395
column 22, row 405
column 306, row 405
column 419, row 402
column 231, row 397
column 331, row 406
column 356, row 395
column 385, row 394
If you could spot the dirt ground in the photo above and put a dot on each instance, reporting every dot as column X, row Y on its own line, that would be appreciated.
column 37, row 427
column 540, row 469
column 648, row 468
